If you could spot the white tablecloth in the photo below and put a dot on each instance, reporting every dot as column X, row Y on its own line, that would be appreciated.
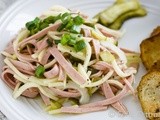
column 4, row 4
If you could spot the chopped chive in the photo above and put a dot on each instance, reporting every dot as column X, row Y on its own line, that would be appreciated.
column 69, row 24
column 43, row 25
column 33, row 24
column 39, row 71
column 75, row 29
column 78, row 20
column 65, row 18
column 65, row 38
column 72, row 42
column 57, row 17
column 50, row 19
column 80, row 45
column 61, row 27
column 33, row 31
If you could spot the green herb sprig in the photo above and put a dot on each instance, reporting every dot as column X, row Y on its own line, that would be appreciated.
column 69, row 23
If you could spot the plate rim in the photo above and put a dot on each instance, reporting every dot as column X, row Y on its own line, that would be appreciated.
column 4, row 106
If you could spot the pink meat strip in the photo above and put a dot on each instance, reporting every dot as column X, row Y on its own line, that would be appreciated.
column 114, row 89
column 7, row 77
column 43, row 32
column 87, row 32
column 109, row 94
column 109, row 32
column 52, row 73
column 23, row 57
column 129, row 85
column 9, row 49
column 71, row 72
column 42, row 44
column 5, row 67
column 105, row 33
column 45, row 57
column 101, row 65
column 65, row 93
column 30, row 50
column 96, row 46
column 45, row 99
column 105, row 64
column 27, row 72
column 30, row 93
column 98, row 74
column 23, row 65
column 26, row 42
column 79, row 110
column 62, row 74
column 112, row 99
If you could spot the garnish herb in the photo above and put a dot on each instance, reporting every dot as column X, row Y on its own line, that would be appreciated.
column 69, row 23
column 80, row 45
column 39, row 71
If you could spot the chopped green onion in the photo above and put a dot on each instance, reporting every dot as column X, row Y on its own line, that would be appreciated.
column 65, row 38
column 39, row 71
column 43, row 25
column 61, row 27
column 72, row 42
column 78, row 20
column 50, row 19
column 33, row 24
column 69, row 24
column 33, row 31
column 66, row 17
column 80, row 45
column 75, row 29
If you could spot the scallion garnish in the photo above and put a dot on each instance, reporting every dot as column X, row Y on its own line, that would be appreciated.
column 78, row 20
column 75, row 29
column 39, row 71
column 80, row 45
column 33, row 26
column 72, row 42
column 43, row 25
column 50, row 19
column 69, row 23
column 65, row 38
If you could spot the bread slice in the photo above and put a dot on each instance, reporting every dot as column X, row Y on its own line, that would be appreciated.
column 149, row 95
column 150, row 51
column 156, row 31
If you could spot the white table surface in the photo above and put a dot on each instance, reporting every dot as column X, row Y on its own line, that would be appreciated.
column 4, row 4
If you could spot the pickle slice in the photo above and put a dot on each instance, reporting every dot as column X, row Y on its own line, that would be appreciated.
column 119, row 21
column 109, row 15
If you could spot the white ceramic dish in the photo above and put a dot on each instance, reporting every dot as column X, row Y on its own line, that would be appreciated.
column 24, row 10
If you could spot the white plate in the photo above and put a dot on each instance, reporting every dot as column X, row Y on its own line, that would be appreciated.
column 22, row 11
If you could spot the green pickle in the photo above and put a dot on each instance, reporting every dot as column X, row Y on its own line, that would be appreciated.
column 119, row 22
column 115, row 15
